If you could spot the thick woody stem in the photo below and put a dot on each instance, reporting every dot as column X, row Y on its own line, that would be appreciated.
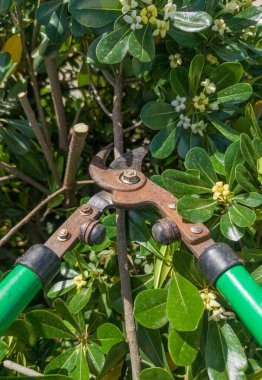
column 76, row 146
column 40, row 137
column 29, row 216
column 32, row 73
column 16, row 173
column 20, row 369
column 126, row 291
column 58, row 102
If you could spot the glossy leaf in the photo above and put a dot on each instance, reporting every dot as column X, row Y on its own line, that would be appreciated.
column 237, row 93
column 196, row 209
column 96, row 359
column 156, row 374
column 3, row 350
column 184, row 304
column 244, row 19
column 150, row 308
column 114, row 358
column 224, row 129
column 233, row 157
column 95, row 13
column 254, row 255
column 242, row 216
column 113, row 46
column 195, row 72
column 226, row 74
column 230, row 52
column 249, row 199
column 158, row 115
column 225, row 357
column 255, row 130
column 80, row 300
column 183, row 346
column 186, row 265
column 163, row 143
column 192, row 21
column 257, row 274
column 141, row 44
column 186, row 39
column 179, row 81
column 6, row 65
column 107, row 336
column 248, row 151
column 60, row 288
column 245, row 179
column 229, row 229
column 198, row 159
column 64, row 312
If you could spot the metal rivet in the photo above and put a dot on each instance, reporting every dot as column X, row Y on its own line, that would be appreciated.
column 86, row 210
column 172, row 205
column 129, row 176
column 63, row 234
column 196, row 229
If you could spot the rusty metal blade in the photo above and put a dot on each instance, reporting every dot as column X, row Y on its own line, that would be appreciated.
column 132, row 159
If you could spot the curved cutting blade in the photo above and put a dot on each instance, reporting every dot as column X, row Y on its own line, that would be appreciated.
column 132, row 159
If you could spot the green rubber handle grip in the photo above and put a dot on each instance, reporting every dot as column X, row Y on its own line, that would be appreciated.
column 245, row 296
column 17, row 289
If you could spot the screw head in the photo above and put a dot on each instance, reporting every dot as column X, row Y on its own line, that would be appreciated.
column 196, row 229
column 86, row 210
column 129, row 176
column 172, row 205
column 63, row 234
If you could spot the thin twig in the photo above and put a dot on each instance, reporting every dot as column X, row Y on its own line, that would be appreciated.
column 40, row 137
column 32, row 73
column 76, row 146
column 87, row 182
column 136, row 125
column 36, row 29
column 6, row 178
column 108, row 77
column 16, row 173
column 126, row 291
column 20, row 369
column 96, row 94
column 58, row 102
column 29, row 216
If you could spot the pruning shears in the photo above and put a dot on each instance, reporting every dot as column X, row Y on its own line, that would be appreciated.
column 125, row 186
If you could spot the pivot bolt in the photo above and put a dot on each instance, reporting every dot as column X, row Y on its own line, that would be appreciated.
column 165, row 231
column 86, row 210
column 63, row 234
column 196, row 229
column 129, row 176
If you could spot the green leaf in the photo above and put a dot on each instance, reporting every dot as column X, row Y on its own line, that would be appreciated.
column 255, row 130
column 225, row 357
column 230, row 51
column 192, row 21
column 179, row 81
column 216, row 156
column 114, row 357
column 23, row 331
column 142, row 45
column 195, row 72
column 181, row 183
column 5, row 6
column 6, row 65
column 249, row 199
column 257, row 274
column 16, row 142
column 253, row 255
column 3, row 350
column 80, row 300
column 163, row 143
column 242, row 216
column 48, row 325
column 64, row 312
column 229, row 229
column 183, row 346
column 61, row 288
column 156, row 374
column 226, row 74
column 48, row 377
column 107, row 336
column 248, row 151
column 162, row 267
column 158, row 115
column 197, row 158
column 113, row 46
column 73, row 361
column 237, row 93
column 184, row 304
column 226, row 131
column 150, row 308
column 96, row 359
column 186, row 265
column 244, row 19
column 186, row 39
column 95, row 13
column 233, row 157
column 196, row 209
column 245, row 179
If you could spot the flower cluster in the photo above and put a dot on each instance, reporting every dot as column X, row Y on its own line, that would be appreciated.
column 134, row 20
column 249, row 32
column 201, row 102
column 221, row 192
column 215, row 309
column 219, row 26
column 179, row 103
column 79, row 281
column 175, row 60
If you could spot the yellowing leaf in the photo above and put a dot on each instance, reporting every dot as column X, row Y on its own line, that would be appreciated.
column 114, row 373
column 13, row 46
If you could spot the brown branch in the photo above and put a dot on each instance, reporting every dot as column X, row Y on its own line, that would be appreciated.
column 58, row 102
column 31, row 72
column 6, row 178
column 76, row 146
column 20, row 369
column 36, row 29
column 108, row 77
column 16, row 173
column 29, row 216
column 96, row 94
column 136, row 125
column 87, row 182
column 126, row 291
column 40, row 137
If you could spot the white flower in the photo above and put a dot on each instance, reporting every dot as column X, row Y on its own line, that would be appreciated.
column 79, row 281
column 175, row 60
column 179, row 103
column 198, row 128
column 232, row 6
column 169, row 9
column 128, row 4
column 217, row 315
column 213, row 106
column 208, row 86
column 219, row 26
column 161, row 28
column 134, row 20
column 249, row 32
column 184, row 122
column 200, row 102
